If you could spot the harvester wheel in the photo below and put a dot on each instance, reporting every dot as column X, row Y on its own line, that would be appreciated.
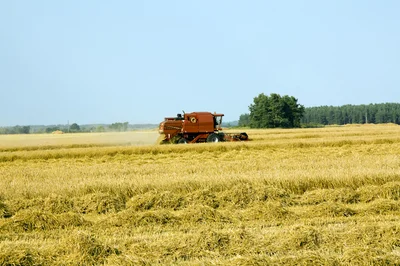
column 213, row 138
column 221, row 136
column 182, row 141
column 175, row 139
column 165, row 142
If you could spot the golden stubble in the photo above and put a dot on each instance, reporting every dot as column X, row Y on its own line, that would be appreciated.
column 283, row 197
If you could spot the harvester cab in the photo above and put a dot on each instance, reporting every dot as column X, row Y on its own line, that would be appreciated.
column 218, row 121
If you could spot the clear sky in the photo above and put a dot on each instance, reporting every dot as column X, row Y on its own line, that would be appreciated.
column 138, row 61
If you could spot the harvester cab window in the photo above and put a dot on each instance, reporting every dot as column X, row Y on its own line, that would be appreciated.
column 215, row 122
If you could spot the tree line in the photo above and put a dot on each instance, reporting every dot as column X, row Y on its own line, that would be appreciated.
column 285, row 112
column 352, row 114
column 15, row 130
column 73, row 128
column 273, row 111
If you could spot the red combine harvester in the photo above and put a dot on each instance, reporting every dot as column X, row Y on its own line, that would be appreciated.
column 196, row 127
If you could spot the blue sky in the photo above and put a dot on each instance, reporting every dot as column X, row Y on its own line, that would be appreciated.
column 139, row 61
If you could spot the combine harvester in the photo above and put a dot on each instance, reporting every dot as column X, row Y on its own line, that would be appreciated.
column 196, row 127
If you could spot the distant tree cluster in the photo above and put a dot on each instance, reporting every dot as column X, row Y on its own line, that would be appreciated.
column 119, row 126
column 244, row 120
column 273, row 111
column 353, row 114
column 74, row 128
column 15, row 130
column 52, row 129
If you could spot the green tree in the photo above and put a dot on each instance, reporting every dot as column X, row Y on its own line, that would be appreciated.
column 25, row 130
column 275, row 111
column 260, row 112
column 74, row 128
column 119, row 126
column 244, row 120
column 51, row 129
column 100, row 129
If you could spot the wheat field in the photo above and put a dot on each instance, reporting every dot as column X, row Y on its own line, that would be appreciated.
column 326, row 196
